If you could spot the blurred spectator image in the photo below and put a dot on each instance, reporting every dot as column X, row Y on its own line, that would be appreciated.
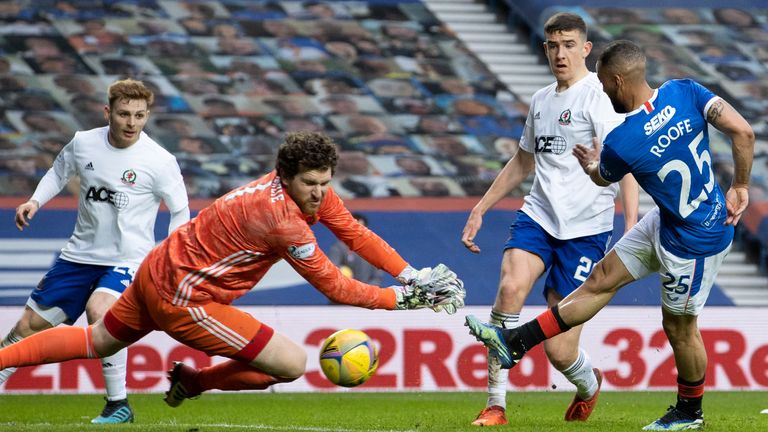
column 681, row 16
column 471, row 107
column 430, row 187
column 340, row 104
column 195, row 26
column 390, row 88
column 332, row 85
column 353, row 163
column 384, row 79
column 80, row 84
column 307, row 124
column 96, row 38
column 218, row 107
column 413, row 166
column 506, row 147
column 291, row 106
column 341, row 49
column 734, row 17
column 435, row 125
column 45, row 122
column 367, row 127
column 193, row 145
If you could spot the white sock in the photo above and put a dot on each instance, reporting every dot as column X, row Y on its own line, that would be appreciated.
column 498, row 377
column 11, row 338
column 581, row 375
column 114, row 369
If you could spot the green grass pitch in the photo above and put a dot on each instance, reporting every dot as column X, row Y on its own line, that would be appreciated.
column 379, row 412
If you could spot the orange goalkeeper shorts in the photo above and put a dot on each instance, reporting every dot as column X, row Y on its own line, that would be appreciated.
column 213, row 328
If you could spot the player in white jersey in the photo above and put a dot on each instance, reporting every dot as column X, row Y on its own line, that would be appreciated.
column 566, row 221
column 664, row 143
column 124, row 175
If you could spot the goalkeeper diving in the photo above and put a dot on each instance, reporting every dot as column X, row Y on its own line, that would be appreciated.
column 186, row 284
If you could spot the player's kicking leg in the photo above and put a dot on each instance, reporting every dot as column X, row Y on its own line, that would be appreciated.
column 495, row 340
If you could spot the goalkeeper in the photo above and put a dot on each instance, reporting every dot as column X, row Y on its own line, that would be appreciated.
column 186, row 284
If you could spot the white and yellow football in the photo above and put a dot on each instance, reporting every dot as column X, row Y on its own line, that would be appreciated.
column 348, row 358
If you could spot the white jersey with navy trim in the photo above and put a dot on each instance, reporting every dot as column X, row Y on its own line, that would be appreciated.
column 665, row 145
column 563, row 200
column 120, row 194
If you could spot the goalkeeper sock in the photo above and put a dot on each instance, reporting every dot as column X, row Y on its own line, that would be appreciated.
column 689, row 396
column 580, row 373
column 50, row 346
column 10, row 338
column 114, row 370
column 498, row 377
column 233, row 375
column 530, row 334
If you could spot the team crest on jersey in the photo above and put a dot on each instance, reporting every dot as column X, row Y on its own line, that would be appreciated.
column 302, row 252
column 565, row 118
column 129, row 177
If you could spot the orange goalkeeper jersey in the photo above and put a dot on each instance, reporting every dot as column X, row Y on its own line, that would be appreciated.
column 224, row 251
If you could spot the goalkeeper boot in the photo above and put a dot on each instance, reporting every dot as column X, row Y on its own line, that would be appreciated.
column 580, row 409
column 115, row 412
column 493, row 415
column 183, row 385
column 494, row 339
column 676, row 419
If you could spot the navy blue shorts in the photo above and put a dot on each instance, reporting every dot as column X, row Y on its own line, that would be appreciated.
column 569, row 261
column 68, row 285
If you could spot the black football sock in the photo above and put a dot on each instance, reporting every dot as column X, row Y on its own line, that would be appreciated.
column 689, row 396
column 530, row 334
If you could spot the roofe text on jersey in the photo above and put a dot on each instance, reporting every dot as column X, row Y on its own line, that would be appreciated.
column 674, row 132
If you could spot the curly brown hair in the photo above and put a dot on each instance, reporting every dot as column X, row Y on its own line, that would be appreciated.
column 304, row 151
column 129, row 89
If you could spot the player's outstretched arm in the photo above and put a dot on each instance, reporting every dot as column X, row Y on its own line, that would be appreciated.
column 514, row 172
column 49, row 186
column 25, row 213
column 728, row 121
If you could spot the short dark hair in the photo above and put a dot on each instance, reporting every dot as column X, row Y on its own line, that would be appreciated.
column 621, row 53
column 565, row 21
column 303, row 151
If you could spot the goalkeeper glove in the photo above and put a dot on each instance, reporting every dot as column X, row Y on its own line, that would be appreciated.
column 451, row 298
column 409, row 297
column 437, row 288
column 410, row 274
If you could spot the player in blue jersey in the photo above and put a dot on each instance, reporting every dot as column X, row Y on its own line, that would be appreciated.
column 664, row 143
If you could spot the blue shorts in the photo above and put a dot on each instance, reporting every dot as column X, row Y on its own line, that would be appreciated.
column 69, row 285
column 569, row 261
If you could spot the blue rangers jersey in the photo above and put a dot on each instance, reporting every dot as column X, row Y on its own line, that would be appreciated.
column 665, row 145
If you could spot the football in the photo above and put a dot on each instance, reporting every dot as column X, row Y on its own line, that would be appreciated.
column 348, row 358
